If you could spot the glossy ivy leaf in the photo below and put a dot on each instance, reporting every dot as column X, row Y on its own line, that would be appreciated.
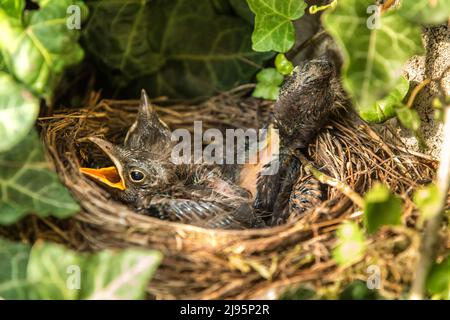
column 438, row 281
column 18, row 111
column 381, row 207
column 60, row 273
column 51, row 271
column 274, row 30
column 268, row 84
column 351, row 244
column 179, row 48
column 427, row 200
column 386, row 107
column 374, row 53
column 426, row 11
column 243, row 10
column 13, row 270
column 27, row 185
column 37, row 48
column 283, row 65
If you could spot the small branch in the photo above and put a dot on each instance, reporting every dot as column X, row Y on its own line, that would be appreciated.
column 415, row 91
column 430, row 237
column 325, row 179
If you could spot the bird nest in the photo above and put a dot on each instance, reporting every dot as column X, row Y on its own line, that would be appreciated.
column 203, row 263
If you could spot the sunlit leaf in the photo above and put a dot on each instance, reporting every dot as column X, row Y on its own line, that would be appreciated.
column 427, row 200
column 274, row 29
column 425, row 11
column 283, row 65
column 351, row 244
column 381, row 207
column 375, row 50
column 18, row 111
column 268, row 84
column 37, row 49
column 386, row 107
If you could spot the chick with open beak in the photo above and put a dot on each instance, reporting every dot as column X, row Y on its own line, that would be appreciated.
column 144, row 176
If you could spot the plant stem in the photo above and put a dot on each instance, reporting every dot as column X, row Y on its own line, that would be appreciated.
column 430, row 237
column 325, row 179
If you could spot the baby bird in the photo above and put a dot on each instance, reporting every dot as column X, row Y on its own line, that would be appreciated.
column 144, row 176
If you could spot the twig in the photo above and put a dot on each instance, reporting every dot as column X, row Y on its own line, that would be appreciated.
column 415, row 91
column 430, row 237
column 325, row 179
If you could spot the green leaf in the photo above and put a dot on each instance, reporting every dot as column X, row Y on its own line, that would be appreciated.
column 427, row 200
column 283, row 65
column 36, row 50
column 358, row 290
column 13, row 267
column 179, row 48
column 14, row 8
column 51, row 271
column 27, row 185
column 381, row 208
column 268, row 84
column 274, row 30
column 126, row 277
column 408, row 117
column 438, row 281
column 374, row 54
column 108, row 274
column 386, row 107
column 351, row 244
column 18, row 112
column 425, row 11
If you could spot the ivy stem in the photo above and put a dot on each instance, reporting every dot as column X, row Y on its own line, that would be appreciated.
column 315, row 8
column 325, row 179
column 430, row 237
column 415, row 91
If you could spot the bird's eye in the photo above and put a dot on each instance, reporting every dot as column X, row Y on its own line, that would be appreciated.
column 137, row 176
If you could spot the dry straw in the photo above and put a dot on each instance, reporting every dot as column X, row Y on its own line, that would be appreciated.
column 212, row 264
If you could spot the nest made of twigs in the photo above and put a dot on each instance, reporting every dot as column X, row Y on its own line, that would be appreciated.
column 211, row 264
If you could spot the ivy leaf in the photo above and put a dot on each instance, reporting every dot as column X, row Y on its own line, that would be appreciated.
column 438, row 281
column 18, row 111
column 179, row 48
column 268, row 86
column 126, row 278
column 274, row 30
column 425, row 11
column 111, row 275
column 351, row 244
column 386, row 107
column 427, row 200
column 381, row 208
column 27, row 185
column 13, row 270
column 13, row 8
column 51, row 271
column 408, row 117
column 38, row 48
column 370, row 70
column 283, row 65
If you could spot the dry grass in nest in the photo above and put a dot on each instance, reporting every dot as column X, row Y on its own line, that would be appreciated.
column 211, row 264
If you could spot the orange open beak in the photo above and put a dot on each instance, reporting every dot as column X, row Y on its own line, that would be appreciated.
column 111, row 176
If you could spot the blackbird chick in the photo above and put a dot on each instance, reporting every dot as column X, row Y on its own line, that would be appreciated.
column 306, row 100
column 144, row 176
